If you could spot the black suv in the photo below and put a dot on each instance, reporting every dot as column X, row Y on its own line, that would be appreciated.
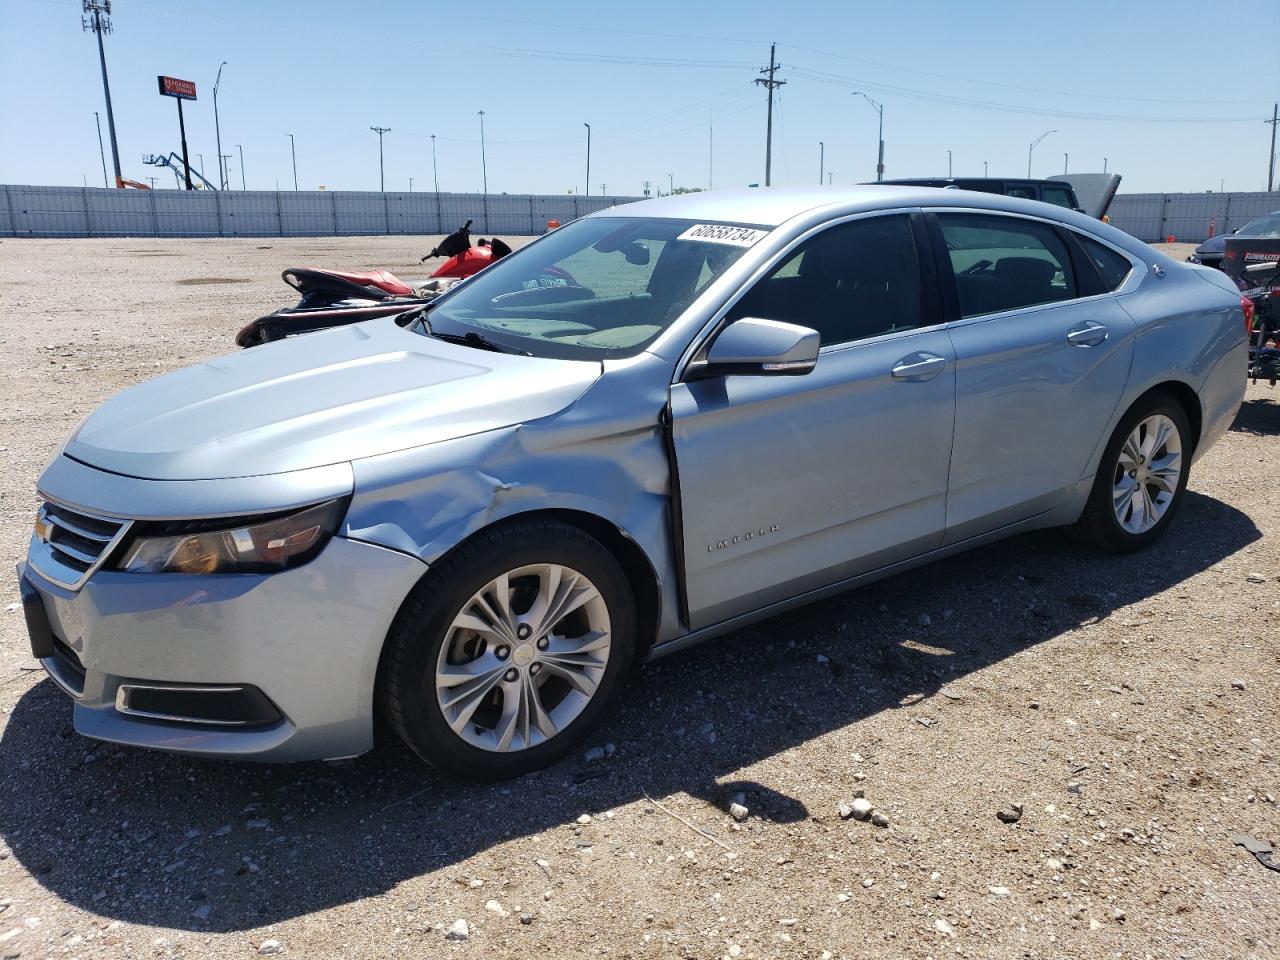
column 1048, row 191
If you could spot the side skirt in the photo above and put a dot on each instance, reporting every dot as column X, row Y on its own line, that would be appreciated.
column 1059, row 516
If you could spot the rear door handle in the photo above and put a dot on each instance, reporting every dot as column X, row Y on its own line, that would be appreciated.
column 918, row 367
column 1088, row 334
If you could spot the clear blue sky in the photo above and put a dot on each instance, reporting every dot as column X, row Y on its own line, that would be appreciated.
column 981, row 79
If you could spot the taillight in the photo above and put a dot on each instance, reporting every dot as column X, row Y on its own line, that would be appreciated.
column 1247, row 306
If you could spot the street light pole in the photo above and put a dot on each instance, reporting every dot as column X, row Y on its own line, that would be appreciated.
column 382, row 180
column 1033, row 146
column 984, row 168
column 241, row 149
column 1066, row 158
column 588, row 126
column 822, row 161
column 879, row 108
column 435, row 179
column 217, row 128
column 97, row 19
column 948, row 164
column 293, row 153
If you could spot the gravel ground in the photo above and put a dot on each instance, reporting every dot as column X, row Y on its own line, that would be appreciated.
column 1120, row 710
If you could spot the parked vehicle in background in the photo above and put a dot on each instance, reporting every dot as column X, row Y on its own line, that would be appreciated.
column 728, row 404
column 1088, row 193
column 1211, row 252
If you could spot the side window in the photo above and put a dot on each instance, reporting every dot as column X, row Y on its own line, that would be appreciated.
column 851, row 282
column 1005, row 264
column 1059, row 196
column 1112, row 267
column 1025, row 193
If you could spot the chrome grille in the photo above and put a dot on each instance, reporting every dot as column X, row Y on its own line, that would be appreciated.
column 68, row 544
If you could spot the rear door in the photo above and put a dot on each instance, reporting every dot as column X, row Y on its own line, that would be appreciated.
column 1042, row 356
column 790, row 483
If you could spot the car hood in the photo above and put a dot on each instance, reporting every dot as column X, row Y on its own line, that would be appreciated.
column 319, row 399
column 1216, row 244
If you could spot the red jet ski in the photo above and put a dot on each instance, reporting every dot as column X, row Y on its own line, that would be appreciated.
column 333, row 298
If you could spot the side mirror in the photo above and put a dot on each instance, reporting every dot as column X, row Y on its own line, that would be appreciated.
column 754, row 346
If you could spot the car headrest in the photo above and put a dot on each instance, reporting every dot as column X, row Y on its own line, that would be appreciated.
column 1025, row 270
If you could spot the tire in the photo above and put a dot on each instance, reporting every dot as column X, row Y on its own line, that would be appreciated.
column 452, row 626
column 1101, row 524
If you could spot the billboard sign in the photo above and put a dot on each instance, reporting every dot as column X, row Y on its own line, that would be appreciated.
column 173, row 87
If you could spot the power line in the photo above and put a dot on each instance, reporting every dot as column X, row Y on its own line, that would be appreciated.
column 927, row 96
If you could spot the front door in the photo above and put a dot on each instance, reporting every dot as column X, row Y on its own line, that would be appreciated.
column 789, row 483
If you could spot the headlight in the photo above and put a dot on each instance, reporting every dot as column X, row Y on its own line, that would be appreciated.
column 251, row 545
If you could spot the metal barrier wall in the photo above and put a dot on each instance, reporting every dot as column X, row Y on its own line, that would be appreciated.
column 1189, row 217
column 30, row 211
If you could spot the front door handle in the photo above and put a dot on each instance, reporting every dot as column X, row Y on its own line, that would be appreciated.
column 1088, row 334
column 918, row 367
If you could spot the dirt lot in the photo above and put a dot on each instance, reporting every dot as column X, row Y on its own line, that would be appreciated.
column 1129, row 705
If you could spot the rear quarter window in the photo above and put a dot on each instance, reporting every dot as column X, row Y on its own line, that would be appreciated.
column 1111, row 266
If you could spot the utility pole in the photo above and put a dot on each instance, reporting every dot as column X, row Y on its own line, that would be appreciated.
column 1033, row 146
column 97, row 17
column 241, row 149
column 1271, row 161
column 671, row 184
column 217, row 128
column 382, row 182
column 484, row 174
column 101, row 150
column 646, row 188
column 948, row 164
column 822, row 161
column 588, row 126
column 604, row 189
column 225, row 166
column 984, row 169
column 411, row 184
column 435, row 176
column 878, row 108
column 293, row 153
column 1104, row 164
column 1066, row 158
column 767, row 81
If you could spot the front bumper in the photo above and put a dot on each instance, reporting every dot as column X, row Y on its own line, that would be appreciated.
column 307, row 640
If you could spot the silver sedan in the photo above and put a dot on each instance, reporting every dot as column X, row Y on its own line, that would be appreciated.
column 647, row 428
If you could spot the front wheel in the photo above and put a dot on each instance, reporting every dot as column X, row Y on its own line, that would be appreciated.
column 509, row 651
column 1141, row 479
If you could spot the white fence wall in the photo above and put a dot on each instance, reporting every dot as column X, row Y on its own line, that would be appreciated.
column 30, row 211
column 1187, row 216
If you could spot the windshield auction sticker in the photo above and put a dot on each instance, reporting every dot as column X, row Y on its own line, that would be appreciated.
column 723, row 233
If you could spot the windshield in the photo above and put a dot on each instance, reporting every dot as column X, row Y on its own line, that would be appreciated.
column 1268, row 226
column 597, row 288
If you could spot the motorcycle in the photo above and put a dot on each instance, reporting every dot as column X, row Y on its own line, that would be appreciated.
column 334, row 298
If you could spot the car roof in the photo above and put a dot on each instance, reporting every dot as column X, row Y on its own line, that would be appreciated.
column 773, row 206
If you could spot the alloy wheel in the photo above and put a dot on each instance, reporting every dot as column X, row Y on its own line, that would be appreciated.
column 523, row 657
column 1147, row 473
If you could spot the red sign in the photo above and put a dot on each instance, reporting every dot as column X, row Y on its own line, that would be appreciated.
column 173, row 87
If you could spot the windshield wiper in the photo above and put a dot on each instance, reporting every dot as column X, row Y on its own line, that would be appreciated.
column 473, row 339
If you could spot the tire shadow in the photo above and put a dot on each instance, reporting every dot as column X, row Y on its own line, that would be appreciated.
column 222, row 846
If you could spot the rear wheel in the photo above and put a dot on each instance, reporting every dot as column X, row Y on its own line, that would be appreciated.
column 506, row 654
column 1141, row 479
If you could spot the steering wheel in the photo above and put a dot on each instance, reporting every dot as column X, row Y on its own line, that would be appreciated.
column 976, row 267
